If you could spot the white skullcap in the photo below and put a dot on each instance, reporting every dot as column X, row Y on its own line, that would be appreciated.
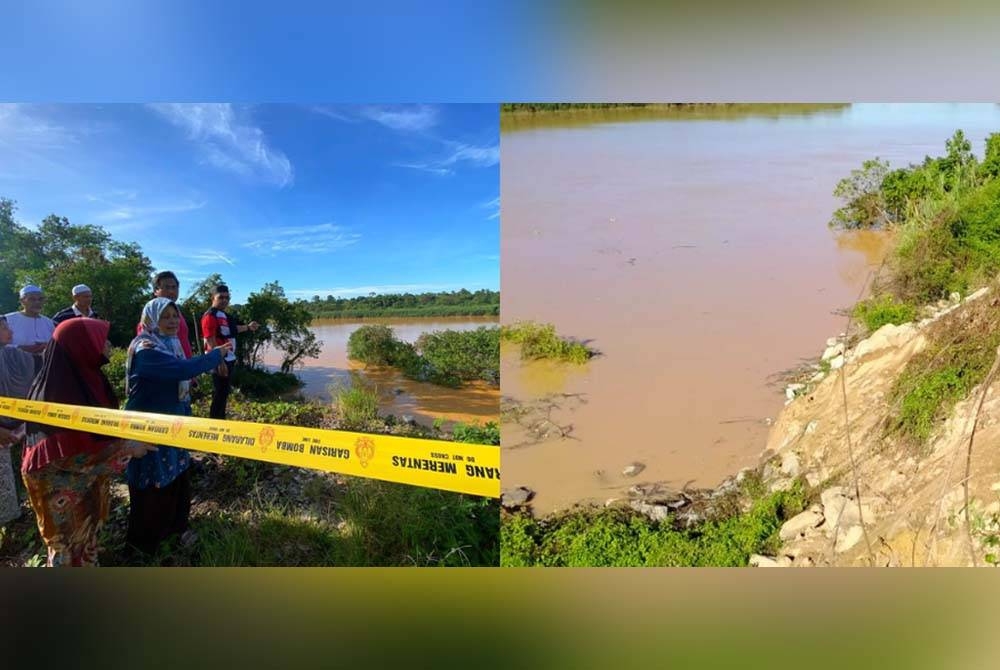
column 30, row 288
column 81, row 288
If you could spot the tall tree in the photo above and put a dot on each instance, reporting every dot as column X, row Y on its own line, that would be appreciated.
column 59, row 255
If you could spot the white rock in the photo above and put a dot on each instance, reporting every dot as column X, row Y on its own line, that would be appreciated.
column 818, row 377
column 811, row 427
column 633, row 469
column 835, row 350
column 793, row 390
column 653, row 512
column 790, row 464
column 975, row 295
column 758, row 561
column 831, row 341
column 799, row 525
column 955, row 297
column 781, row 484
column 848, row 539
column 837, row 362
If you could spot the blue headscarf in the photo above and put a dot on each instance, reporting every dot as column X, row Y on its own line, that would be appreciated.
column 150, row 337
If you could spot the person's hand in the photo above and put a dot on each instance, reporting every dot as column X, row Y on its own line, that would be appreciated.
column 224, row 348
column 138, row 449
column 253, row 326
column 6, row 438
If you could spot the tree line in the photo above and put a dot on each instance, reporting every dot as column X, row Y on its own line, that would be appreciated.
column 60, row 254
column 483, row 302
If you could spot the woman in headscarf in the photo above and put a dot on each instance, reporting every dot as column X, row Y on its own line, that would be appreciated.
column 157, row 375
column 17, row 369
column 67, row 472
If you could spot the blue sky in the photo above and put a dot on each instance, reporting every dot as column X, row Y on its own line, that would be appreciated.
column 325, row 199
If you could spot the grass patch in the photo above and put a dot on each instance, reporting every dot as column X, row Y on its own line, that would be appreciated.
column 395, row 524
column 357, row 405
column 877, row 312
column 540, row 341
column 961, row 351
column 623, row 538
column 473, row 433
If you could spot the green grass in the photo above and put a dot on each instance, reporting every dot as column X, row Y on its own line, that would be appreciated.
column 622, row 538
column 357, row 406
column 540, row 341
column 958, row 357
column 877, row 312
column 475, row 434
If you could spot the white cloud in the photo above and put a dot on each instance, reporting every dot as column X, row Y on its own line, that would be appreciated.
column 121, row 212
column 479, row 156
column 22, row 126
column 415, row 118
column 460, row 153
column 493, row 205
column 320, row 238
column 208, row 257
column 229, row 143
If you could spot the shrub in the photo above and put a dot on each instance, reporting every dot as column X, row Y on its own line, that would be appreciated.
column 374, row 345
column 357, row 405
column 539, row 341
column 476, row 434
column 876, row 312
column 453, row 357
column 114, row 370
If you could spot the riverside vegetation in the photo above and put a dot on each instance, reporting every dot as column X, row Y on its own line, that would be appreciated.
column 249, row 512
column 944, row 218
column 448, row 357
column 252, row 513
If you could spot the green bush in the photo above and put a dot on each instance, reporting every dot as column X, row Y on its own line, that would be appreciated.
column 540, row 341
column 373, row 345
column 453, row 357
column 306, row 414
column 114, row 370
column 476, row 434
column 446, row 357
column 876, row 312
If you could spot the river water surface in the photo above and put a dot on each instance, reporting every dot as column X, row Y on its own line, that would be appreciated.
column 693, row 253
column 398, row 395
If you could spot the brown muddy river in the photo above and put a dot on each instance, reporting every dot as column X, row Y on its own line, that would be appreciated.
column 693, row 253
column 399, row 396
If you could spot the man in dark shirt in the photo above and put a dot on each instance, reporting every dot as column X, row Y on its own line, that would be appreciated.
column 217, row 328
column 82, row 297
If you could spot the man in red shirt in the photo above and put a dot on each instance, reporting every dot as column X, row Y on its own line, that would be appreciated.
column 217, row 328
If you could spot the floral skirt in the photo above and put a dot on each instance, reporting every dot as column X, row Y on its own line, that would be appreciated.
column 71, row 499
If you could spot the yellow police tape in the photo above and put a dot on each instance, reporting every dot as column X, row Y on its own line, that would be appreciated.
column 450, row 466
